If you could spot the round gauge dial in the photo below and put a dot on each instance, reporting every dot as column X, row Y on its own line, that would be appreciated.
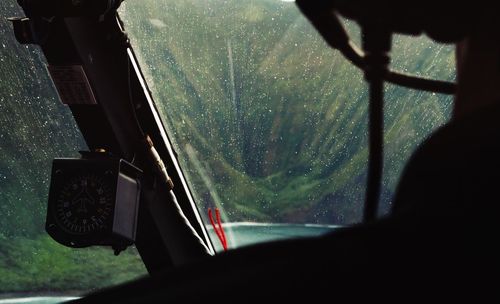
column 84, row 205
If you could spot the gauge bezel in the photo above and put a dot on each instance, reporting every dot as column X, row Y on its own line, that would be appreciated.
column 105, row 181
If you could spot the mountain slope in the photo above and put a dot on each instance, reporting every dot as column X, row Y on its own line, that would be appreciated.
column 275, row 119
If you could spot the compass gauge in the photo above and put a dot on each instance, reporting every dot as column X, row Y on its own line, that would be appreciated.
column 93, row 201
column 84, row 204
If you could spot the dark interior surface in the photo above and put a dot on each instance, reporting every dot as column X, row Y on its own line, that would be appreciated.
column 439, row 242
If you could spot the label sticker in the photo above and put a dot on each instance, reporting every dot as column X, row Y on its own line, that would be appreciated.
column 72, row 84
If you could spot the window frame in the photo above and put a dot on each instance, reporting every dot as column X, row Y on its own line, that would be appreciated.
column 100, row 45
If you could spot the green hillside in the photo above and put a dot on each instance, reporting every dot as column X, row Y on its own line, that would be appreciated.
column 269, row 124
column 268, row 121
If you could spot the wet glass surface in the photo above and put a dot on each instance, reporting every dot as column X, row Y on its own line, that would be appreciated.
column 36, row 127
column 270, row 124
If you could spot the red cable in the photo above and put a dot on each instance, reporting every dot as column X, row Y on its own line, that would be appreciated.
column 220, row 233
column 221, row 229
column 210, row 216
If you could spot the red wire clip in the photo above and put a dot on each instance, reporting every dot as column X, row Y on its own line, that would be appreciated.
column 218, row 230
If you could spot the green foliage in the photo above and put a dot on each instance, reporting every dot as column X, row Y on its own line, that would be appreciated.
column 40, row 264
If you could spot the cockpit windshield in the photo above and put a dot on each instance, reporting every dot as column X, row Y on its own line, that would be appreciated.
column 269, row 123
column 269, row 126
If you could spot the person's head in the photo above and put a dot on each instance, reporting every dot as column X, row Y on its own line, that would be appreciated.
column 478, row 68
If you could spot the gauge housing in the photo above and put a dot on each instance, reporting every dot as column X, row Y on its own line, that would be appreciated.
column 93, row 201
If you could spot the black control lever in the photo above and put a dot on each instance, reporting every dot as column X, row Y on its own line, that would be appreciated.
column 323, row 16
column 374, row 61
